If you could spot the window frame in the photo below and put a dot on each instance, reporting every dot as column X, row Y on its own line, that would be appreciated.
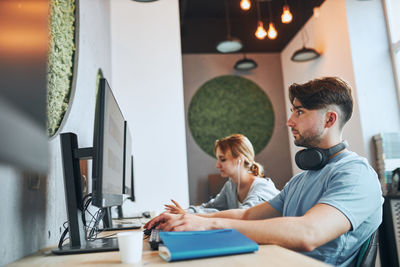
column 394, row 47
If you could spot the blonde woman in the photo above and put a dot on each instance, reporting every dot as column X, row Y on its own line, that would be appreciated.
column 246, row 186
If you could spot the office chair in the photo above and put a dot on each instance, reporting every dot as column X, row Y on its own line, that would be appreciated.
column 389, row 232
column 367, row 255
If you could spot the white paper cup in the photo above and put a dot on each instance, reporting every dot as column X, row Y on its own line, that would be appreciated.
column 130, row 246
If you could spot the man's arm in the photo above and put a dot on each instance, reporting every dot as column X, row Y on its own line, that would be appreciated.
column 319, row 225
column 258, row 212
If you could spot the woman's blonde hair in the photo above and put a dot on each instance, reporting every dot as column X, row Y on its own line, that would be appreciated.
column 239, row 145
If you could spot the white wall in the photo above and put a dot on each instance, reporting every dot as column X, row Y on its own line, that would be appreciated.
column 332, row 40
column 32, row 219
column 147, row 81
column 275, row 157
column 378, row 102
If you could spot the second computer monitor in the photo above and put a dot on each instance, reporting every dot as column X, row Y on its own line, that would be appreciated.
column 108, row 149
column 128, row 164
column 132, row 196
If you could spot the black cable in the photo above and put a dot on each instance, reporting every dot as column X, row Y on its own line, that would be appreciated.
column 60, row 243
column 88, row 195
column 66, row 229
column 89, row 229
column 109, row 235
column 85, row 208
column 94, row 231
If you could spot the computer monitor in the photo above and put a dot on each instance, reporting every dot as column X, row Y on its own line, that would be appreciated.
column 132, row 196
column 127, row 183
column 107, row 154
column 108, row 150
column 112, row 146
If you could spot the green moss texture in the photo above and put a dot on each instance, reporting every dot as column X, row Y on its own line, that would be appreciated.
column 230, row 104
column 60, row 61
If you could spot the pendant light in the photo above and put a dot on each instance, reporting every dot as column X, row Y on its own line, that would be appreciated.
column 245, row 64
column 272, row 32
column 245, row 4
column 231, row 44
column 316, row 11
column 305, row 53
column 260, row 33
column 287, row 16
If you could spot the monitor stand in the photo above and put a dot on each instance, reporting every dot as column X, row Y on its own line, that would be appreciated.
column 71, row 154
column 121, row 215
column 97, row 245
column 109, row 225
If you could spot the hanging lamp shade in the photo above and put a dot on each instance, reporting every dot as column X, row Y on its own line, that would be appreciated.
column 245, row 64
column 229, row 45
column 305, row 54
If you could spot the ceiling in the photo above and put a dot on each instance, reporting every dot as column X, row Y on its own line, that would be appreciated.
column 203, row 24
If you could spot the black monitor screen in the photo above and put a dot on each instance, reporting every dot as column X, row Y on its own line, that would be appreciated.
column 127, row 188
column 132, row 195
column 108, row 149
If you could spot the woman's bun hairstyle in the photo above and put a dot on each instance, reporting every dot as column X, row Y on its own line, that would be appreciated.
column 257, row 169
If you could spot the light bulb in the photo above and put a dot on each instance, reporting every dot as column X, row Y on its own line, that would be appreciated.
column 286, row 15
column 261, row 32
column 316, row 12
column 272, row 33
column 245, row 4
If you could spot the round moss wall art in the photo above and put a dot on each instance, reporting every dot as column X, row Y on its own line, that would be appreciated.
column 60, row 61
column 230, row 104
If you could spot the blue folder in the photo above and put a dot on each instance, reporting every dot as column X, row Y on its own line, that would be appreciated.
column 200, row 244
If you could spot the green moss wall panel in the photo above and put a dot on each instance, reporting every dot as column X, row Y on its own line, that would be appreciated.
column 60, row 62
column 230, row 104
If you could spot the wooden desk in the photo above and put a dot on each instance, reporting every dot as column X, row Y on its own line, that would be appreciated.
column 267, row 255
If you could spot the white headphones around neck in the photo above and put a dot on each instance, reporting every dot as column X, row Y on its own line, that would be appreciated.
column 238, row 173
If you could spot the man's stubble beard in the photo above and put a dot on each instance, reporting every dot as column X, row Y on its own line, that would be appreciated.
column 313, row 140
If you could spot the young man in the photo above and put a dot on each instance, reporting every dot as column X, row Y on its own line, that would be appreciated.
column 327, row 212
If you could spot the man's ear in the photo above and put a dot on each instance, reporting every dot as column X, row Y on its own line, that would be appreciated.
column 331, row 118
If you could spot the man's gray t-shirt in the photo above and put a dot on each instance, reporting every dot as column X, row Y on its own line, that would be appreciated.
column 347, row 183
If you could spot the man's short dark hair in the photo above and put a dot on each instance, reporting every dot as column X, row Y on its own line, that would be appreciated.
column 323, row 92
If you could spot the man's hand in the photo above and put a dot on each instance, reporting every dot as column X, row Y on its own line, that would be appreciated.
column 179, row 222
column 185, row 222
column 155, row 221
column 174, row 209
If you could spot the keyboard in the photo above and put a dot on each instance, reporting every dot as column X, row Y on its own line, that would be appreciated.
column 154, row 239
column 133, row 222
